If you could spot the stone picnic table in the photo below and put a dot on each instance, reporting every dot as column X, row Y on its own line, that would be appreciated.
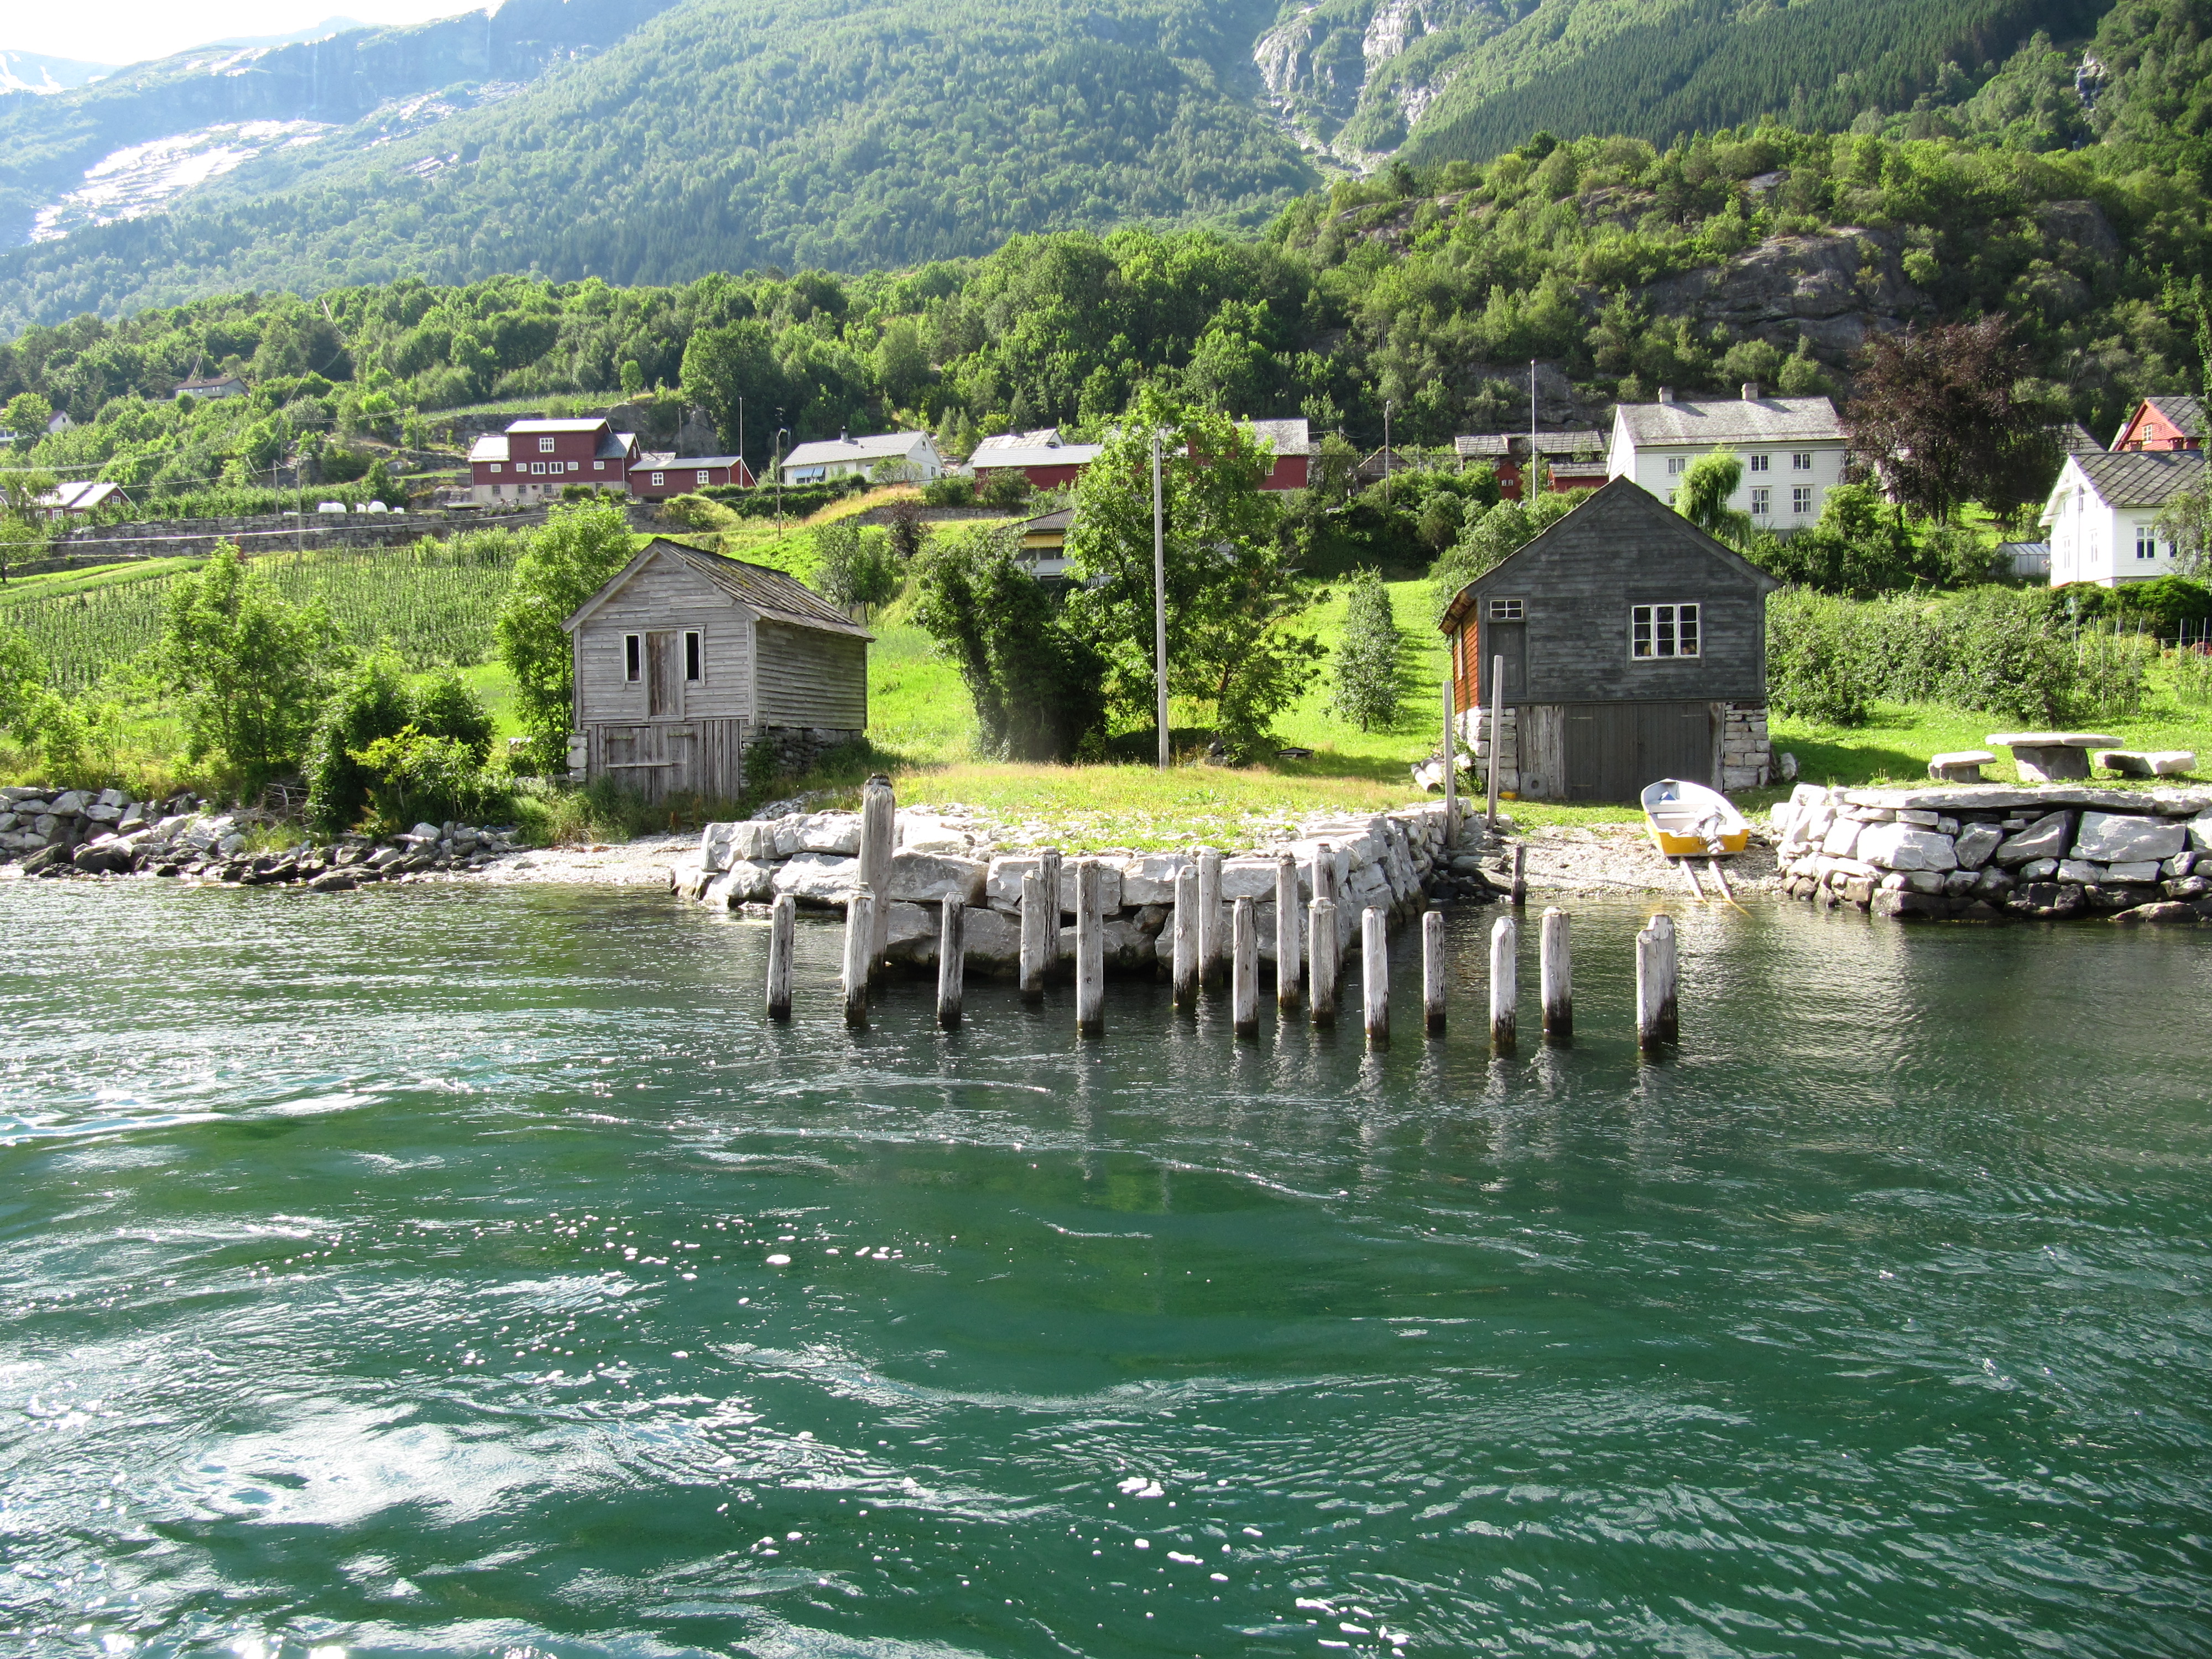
column 2051, row 756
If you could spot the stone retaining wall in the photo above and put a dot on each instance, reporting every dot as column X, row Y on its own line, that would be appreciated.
column 1988, row 852
column 1391, row 861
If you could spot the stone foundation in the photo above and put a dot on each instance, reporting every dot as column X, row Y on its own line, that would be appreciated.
column 1475, row 729
column 1747, row 758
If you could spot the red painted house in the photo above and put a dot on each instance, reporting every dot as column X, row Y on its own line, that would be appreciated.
column 1039, row 456
column 1575, row 460
column 1293, row 442
column 2174, row 422
column 533, row 459
column 655, row 476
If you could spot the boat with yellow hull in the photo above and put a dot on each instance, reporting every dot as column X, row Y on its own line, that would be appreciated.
column 1688, row 820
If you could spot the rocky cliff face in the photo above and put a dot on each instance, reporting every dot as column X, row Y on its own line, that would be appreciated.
column 1350, row 77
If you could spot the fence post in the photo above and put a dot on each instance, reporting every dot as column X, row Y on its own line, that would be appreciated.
column 1432, row 971
column 1321, row 946
column 1286, row 933
column 1504, row 983
column 951, row 961
column 782, row 934
column 1186, row 937
column 1375, row 972
column 1556, row 977
column 1090, row 952
column 878, row 831
column 860, row 928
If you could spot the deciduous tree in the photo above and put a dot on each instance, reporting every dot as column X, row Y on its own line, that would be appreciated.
column 580, row 547
column 1370, row 657
column 1948, row 416
column 247, row 667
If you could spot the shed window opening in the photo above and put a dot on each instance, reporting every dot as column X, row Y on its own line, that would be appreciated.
column 1760, row 463
column 1659, row 631
column 691, row 659
column 1505, row 611
column 633, row 658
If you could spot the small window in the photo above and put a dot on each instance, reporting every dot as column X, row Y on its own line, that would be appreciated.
column 599, row 466
column 692, row 671
column 1762, row 501
column 574, row 467
column 1657, row 631
column 633, row 657
column 1800, row 500
column 1677, row 464
column 1505, row 611
column 545, row 446
column 2146, row 542
column 705, row 477
column 1802, row 461
column 1760, row 463
column 660, row 477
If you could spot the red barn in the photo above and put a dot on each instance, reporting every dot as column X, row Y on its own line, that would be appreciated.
column 2164, row 423
column 1575, row 460
column 1039, row 456
column 654, row 476
column 1293, row 447
column 533, row 459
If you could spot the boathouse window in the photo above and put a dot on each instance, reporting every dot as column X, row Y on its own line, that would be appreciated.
column 1505, row 611
column 633, row 657
column 691, row 659
column 1662, row 631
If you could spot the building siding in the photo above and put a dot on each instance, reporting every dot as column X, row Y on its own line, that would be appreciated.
column 665, row 597
column 810, row 679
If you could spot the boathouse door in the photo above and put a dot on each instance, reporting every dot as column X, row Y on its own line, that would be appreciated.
column 660, row 691
column 1614, row 748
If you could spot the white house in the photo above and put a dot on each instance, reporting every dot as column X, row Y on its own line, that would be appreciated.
column 844, row 457
column 2102, row 517
column 1792, row 450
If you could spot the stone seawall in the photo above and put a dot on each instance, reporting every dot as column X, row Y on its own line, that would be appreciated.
column 1987, row 853
column 1395, row 861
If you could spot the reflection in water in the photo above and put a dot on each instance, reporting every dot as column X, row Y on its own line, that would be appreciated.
column 476, row 1272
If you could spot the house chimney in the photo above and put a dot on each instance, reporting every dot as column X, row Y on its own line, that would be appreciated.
column 842, row 438
column 1751, row 392
column 1666, row 394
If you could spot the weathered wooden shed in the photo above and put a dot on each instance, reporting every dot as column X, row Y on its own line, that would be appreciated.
column 684, row 660
column 1634, row 649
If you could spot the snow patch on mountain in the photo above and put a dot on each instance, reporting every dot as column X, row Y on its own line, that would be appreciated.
column 142, row 178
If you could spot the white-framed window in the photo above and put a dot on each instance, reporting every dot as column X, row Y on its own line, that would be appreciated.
column 545, row 446
column 495, row 466
column 536, row 467
column 1760, row 463
column 633, row 658
column 1505, row 611
column 1659, row 631
column 599, row 466
column 705, row 477
column 1677, row 464
column 1762, row 501
column 1802, row 461
column 1800, row 499
column 660, row 477
column 2146, row 541
column 574, row 467
column 694, row 662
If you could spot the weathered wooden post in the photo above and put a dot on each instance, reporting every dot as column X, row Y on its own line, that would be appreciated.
column 878, row 834
column 1321, row 971
column 860, row 928
column 1556, row 977
column 1375, row 972
column 1496, row 725
column 1656, row 1020
column 1451, row 771
column 1090, row 952
column 1244, row 969
column 1040, row 933
column 951, row 961
column 1049, row 866
column 782, row 934
column 1504, row 983
column 1210, row 942
column 1286, row 933
column 1520, row 874
column 1324, row 871
column 1186, row 938
column 1433, row 972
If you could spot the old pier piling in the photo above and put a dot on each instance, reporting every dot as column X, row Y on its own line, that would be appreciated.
column 860, row 928
column 782, row 934
column 1322, row 973
column 1375, row 972
column 1040, row 939
column 1185, row 941
column 1433, row 972
column 951, row 962
column 878, row 843
column 1505, row 984
column 1090, row 952
column 1557, row 976
column 1286, row 933
column 1244, row 969
column 1658, row 1023
column 1210, row 942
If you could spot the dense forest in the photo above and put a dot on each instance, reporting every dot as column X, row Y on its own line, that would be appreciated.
column 1759, row 253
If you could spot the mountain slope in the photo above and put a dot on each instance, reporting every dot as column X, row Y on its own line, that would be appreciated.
column 28, row 71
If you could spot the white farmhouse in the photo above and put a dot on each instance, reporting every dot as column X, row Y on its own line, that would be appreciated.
column 2102, row 517
column 1792, row 450
column 843, row 457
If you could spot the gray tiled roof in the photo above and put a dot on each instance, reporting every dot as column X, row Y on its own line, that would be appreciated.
column 2142, row 477
column 771, row 592
column 880, row 446
column 2187, row 413
column 1583, row 442
column 1733, row 421
column 1284, row 437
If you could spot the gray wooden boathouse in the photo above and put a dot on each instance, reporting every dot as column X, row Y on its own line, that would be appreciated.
column 1634, row 649
column 684, row 660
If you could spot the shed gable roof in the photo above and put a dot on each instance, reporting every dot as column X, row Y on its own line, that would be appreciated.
column 881, row 446
column 1612, row 520
column 768, row 594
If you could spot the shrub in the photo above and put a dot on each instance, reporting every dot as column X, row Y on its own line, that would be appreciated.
column 570, row 559
column 855, row 568
column 374, row 703
column 1369, row 660
column 951, row 490
column 1815, row 669
column 414, row 774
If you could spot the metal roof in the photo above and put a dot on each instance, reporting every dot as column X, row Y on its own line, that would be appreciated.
column 535, row 428
column 882, row 446
column 1287, row 437
column 1731, row 420
column 1036, row 438
column 652, row 459
column 1038, row 455
column 2141, row 478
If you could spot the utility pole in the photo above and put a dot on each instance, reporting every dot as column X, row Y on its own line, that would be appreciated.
column 1528, row 493
column 1386, row 452
column 776, row 466
column 741, row 431
column 1160, row 601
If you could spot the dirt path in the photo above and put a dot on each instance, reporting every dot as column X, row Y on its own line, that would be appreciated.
column 1614, row 858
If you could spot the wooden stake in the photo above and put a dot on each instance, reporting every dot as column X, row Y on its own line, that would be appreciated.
column 1520, row 874
column 878, row 832
column 1504, row 983
column 1040, row 933
column 1321, row 947
column 1286, row 933
column 1497, row 716
column 1186, row 938
column 1556, row 977
column 1433, row 972
column 1090, row 952
column 1210, row 942
column 782, row 934
column 1324, row 871
column 1375, row 972
column 1657, row 1020
column 1055, row 906
column 860, row 928
column 951, row 962
column 1451, row 771
column 1244, row 969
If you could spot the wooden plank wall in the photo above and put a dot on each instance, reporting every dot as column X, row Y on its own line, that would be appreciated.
column 665, row 594
column 658, row 759
column 809, row 678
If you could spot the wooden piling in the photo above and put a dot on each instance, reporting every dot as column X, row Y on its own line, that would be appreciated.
column 1040, row 933
column 1048, row 867
column 1210, row 950
column 878, row 835
column 1556, row 975
column 1245, row 969
column 1375, row 972
column 1090, row 952
column 1520, row 874
column 1452, row 770
column 1433, row 972
column 1286, row 933
column 1657, row 1022
column 782, row 934
column 1186, row 937
column 1505, row 984
column 860, row 928
column 1497, row 716
column 1321, row 971
column 951, row 961
column 1324, row 871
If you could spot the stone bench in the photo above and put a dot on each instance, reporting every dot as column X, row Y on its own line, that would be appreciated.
column 1959, row 766
column 2147, row 762
column 2051, row 756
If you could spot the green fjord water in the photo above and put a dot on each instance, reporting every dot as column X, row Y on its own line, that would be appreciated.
column 474, row 1272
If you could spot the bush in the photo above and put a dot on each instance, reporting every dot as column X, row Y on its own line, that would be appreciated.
column 1814, row 668
column 855, row 568
column 374, row 703
column 1370, row 658
column 414, row 774
column 951, row 490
